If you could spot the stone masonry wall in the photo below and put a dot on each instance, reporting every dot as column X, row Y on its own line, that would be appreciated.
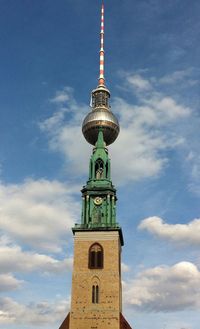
column 106, row 314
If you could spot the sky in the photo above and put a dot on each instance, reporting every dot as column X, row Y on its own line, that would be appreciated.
column 49, row 65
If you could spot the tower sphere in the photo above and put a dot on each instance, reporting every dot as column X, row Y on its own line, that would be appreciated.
column 104, row 119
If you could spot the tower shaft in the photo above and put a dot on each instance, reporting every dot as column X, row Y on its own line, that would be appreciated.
column 96, row 288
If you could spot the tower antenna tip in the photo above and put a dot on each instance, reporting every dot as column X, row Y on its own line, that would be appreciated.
column 101, row 69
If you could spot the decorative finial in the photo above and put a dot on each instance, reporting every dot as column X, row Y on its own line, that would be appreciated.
column 101, row 75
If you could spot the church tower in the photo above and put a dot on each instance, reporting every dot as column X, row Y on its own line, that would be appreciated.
column 96, row 298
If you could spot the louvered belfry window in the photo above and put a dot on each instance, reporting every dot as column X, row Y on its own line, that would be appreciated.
column 96, row 256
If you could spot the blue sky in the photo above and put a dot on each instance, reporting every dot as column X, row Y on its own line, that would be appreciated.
column 49, row 65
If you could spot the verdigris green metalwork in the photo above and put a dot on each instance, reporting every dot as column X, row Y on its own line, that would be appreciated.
column 99, row 194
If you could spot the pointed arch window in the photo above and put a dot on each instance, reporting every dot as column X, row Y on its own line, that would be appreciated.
column 95, row 256
column 99, row 168
column 95, row 294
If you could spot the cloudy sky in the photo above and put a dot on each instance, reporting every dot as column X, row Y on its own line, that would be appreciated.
column 49, row 64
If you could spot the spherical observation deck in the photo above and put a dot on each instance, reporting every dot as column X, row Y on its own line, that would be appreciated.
column 104, row 119
column 100, row 117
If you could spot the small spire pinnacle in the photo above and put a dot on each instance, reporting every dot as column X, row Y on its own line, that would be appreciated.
column 101, row 75
column 100, row 141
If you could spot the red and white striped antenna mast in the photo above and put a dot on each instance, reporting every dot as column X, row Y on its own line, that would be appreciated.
column 101, row 72
column 100, row 117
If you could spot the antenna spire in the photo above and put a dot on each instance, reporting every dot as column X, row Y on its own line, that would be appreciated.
column 100, row 116
column 101, row 75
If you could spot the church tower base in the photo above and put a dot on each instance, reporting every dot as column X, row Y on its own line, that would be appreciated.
column 96, row 292
column 123, row 323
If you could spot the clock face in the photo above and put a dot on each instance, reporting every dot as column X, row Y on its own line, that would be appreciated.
column 98, row 200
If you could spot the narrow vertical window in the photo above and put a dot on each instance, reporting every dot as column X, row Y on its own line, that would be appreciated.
column 92, row 259
column 95, row 257
column 107, row 169
column 91, row 170
column 99, row 260
column 95, row 294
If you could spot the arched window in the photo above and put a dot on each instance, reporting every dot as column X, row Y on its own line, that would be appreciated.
column 95, row 256
column 95, row 294
column 99, row 169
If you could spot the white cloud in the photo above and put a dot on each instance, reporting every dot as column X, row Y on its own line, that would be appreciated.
column 38, row 213
column 167, row 108
column 138, row 82
column 193, row 162
column 65, row 134
column 181, row 233
column 142, row 128
column 125, row 267
column 180, row 77
column 13, row 259
column 42, row 313
column 165, row 289
column 8, row 283
column 62, row 96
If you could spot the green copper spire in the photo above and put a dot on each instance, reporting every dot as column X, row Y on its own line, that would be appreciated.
column 100, row 142
column 99, row 171
column 99, row 194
